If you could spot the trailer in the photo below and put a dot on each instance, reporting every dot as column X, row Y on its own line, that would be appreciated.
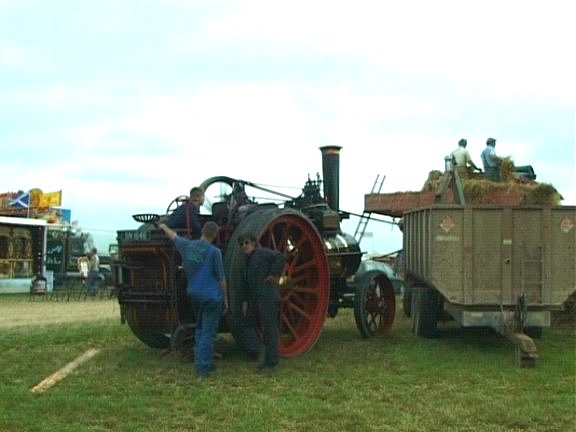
column 22, row 252
column 489, row 266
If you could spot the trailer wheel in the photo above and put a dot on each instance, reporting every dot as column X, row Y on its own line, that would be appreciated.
column 374, row 304
column 424, row 311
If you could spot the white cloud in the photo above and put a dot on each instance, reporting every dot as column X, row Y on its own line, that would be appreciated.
column 395, row 84
column 507, row 48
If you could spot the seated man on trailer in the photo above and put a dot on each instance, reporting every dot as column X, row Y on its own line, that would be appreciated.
column 462, row 159
column 491, row 161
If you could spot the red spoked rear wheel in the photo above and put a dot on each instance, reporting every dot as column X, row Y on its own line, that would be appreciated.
column 305, row 282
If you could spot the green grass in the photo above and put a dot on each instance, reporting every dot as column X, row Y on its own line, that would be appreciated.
column 462, row 381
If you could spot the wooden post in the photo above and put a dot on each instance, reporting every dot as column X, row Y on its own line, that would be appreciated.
column 62, row 373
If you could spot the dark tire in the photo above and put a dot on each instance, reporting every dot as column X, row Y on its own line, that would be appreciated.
column 146, row 323
column 152, row 339
column 374, row 304
column 424, row 311
column 407, row 300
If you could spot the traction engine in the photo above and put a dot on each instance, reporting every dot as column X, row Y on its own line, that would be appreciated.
column 321, row 259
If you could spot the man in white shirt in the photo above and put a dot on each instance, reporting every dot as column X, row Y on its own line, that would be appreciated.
column 462, row 160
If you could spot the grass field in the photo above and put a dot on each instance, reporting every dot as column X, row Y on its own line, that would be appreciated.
column 461, row 381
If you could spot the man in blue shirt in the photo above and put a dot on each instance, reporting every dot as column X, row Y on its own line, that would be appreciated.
column 490, row 161
column 206, row 287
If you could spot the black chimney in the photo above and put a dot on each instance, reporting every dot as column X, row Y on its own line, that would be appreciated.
column 331, row 175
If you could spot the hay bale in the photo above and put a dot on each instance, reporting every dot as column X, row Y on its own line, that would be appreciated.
column 432, row 182
column 507, row 169
column 512, row 190
column 542, row 194
column 477, row 191
column 483, row 191
column 516, row 192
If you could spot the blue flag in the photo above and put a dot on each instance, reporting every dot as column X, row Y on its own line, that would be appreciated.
column 22, row 200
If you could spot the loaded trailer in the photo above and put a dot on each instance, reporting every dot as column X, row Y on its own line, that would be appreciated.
column 489, row 266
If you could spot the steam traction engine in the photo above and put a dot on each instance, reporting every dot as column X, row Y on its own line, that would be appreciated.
column 151, row 285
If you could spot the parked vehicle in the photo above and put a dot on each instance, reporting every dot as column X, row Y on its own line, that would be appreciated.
column 484, row 253
column 320, row 258
column 489, row 266
column 372, row 266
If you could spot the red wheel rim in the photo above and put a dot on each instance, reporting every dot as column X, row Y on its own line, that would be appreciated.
column 380, row 306
column 305, row 283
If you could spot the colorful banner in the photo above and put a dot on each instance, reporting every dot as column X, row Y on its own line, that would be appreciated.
column 5, row 199
column 56, row 215
column 50, row 199
column 33, row 203
column 20, row 200
column 65, row 215
column 35, row 195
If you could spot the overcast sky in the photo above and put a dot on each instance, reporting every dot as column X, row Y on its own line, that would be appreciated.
column 126, row 104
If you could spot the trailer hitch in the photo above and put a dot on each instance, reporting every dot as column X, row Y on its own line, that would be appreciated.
column 513, row 328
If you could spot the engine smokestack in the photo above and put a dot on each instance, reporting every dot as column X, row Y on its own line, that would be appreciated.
column 331, row 175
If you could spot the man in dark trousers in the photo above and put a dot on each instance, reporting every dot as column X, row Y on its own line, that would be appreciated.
column 260, row 296
column 187, row 216
column 206, row 288
column 462, row 160
column 491, row 161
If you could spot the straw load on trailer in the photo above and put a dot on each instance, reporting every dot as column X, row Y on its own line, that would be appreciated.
column 517, row 187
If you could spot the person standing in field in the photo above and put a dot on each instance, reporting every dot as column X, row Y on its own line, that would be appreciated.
column 93, row 272
column 206, row 288
column 83, row 264
column 260, row 296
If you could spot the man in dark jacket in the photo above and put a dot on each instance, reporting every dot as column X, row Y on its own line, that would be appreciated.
column 187, row 216
column 261, row 296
